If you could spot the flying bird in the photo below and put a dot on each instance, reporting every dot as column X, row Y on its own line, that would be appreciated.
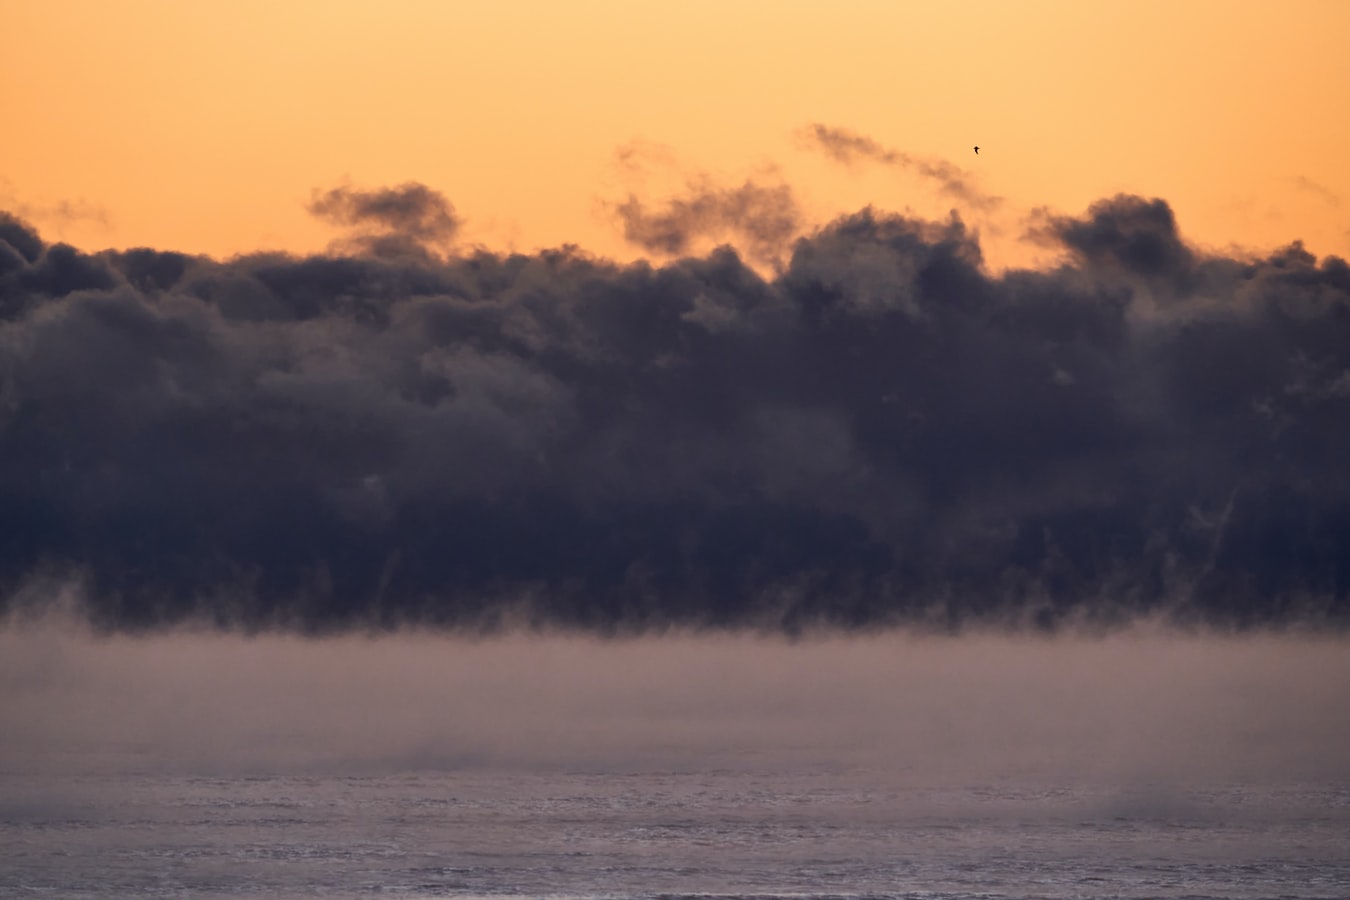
column 977, row 151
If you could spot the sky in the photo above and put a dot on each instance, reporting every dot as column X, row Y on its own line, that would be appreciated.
column 205, row 127
column 619, row 319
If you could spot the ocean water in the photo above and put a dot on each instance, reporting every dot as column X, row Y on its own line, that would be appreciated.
column 821, row 832
column 1144, row 765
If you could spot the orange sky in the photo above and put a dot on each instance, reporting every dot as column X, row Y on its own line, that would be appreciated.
column 205, row 127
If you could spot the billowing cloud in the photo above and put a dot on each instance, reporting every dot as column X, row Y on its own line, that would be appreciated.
column 410, row 219
column 850, row 149
column 1130, row 234
column 762, row 218
column 881, row 432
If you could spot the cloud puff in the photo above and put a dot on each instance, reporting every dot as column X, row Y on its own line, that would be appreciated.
column 850, row 149
column 1321, row 191
column 764, row 219
column 1127, row 233
column 880, row 432
column 410, row 219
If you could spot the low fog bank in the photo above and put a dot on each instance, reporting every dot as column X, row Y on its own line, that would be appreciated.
column 1137, row 707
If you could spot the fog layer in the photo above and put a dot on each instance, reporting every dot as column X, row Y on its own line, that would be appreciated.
column 1151, row 707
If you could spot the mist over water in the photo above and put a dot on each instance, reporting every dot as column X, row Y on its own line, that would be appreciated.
column 1145, row 705
column 1146, row 763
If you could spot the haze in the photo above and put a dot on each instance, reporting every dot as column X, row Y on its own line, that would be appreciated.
column 1145, row 706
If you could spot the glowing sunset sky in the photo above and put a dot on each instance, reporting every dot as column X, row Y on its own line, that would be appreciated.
column 206, row 127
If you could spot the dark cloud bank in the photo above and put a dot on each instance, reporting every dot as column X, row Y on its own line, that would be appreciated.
column 882, row 433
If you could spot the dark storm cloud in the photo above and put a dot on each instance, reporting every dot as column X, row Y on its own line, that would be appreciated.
column 19, row 239
column 849, row 148
column 409, row 219
column 762, row 218
column 882, row 432
column 1128, row 234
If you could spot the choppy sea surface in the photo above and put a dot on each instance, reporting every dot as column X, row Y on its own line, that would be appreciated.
column 665, row 834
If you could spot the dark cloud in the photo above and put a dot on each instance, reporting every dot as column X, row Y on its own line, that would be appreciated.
column 19, row 238
column 1126, row 233
column 408, row 220
column 762, row 218
column 849, row 148
column 881, row 432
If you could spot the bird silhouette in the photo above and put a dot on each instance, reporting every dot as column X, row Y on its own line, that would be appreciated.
column 977, row 151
